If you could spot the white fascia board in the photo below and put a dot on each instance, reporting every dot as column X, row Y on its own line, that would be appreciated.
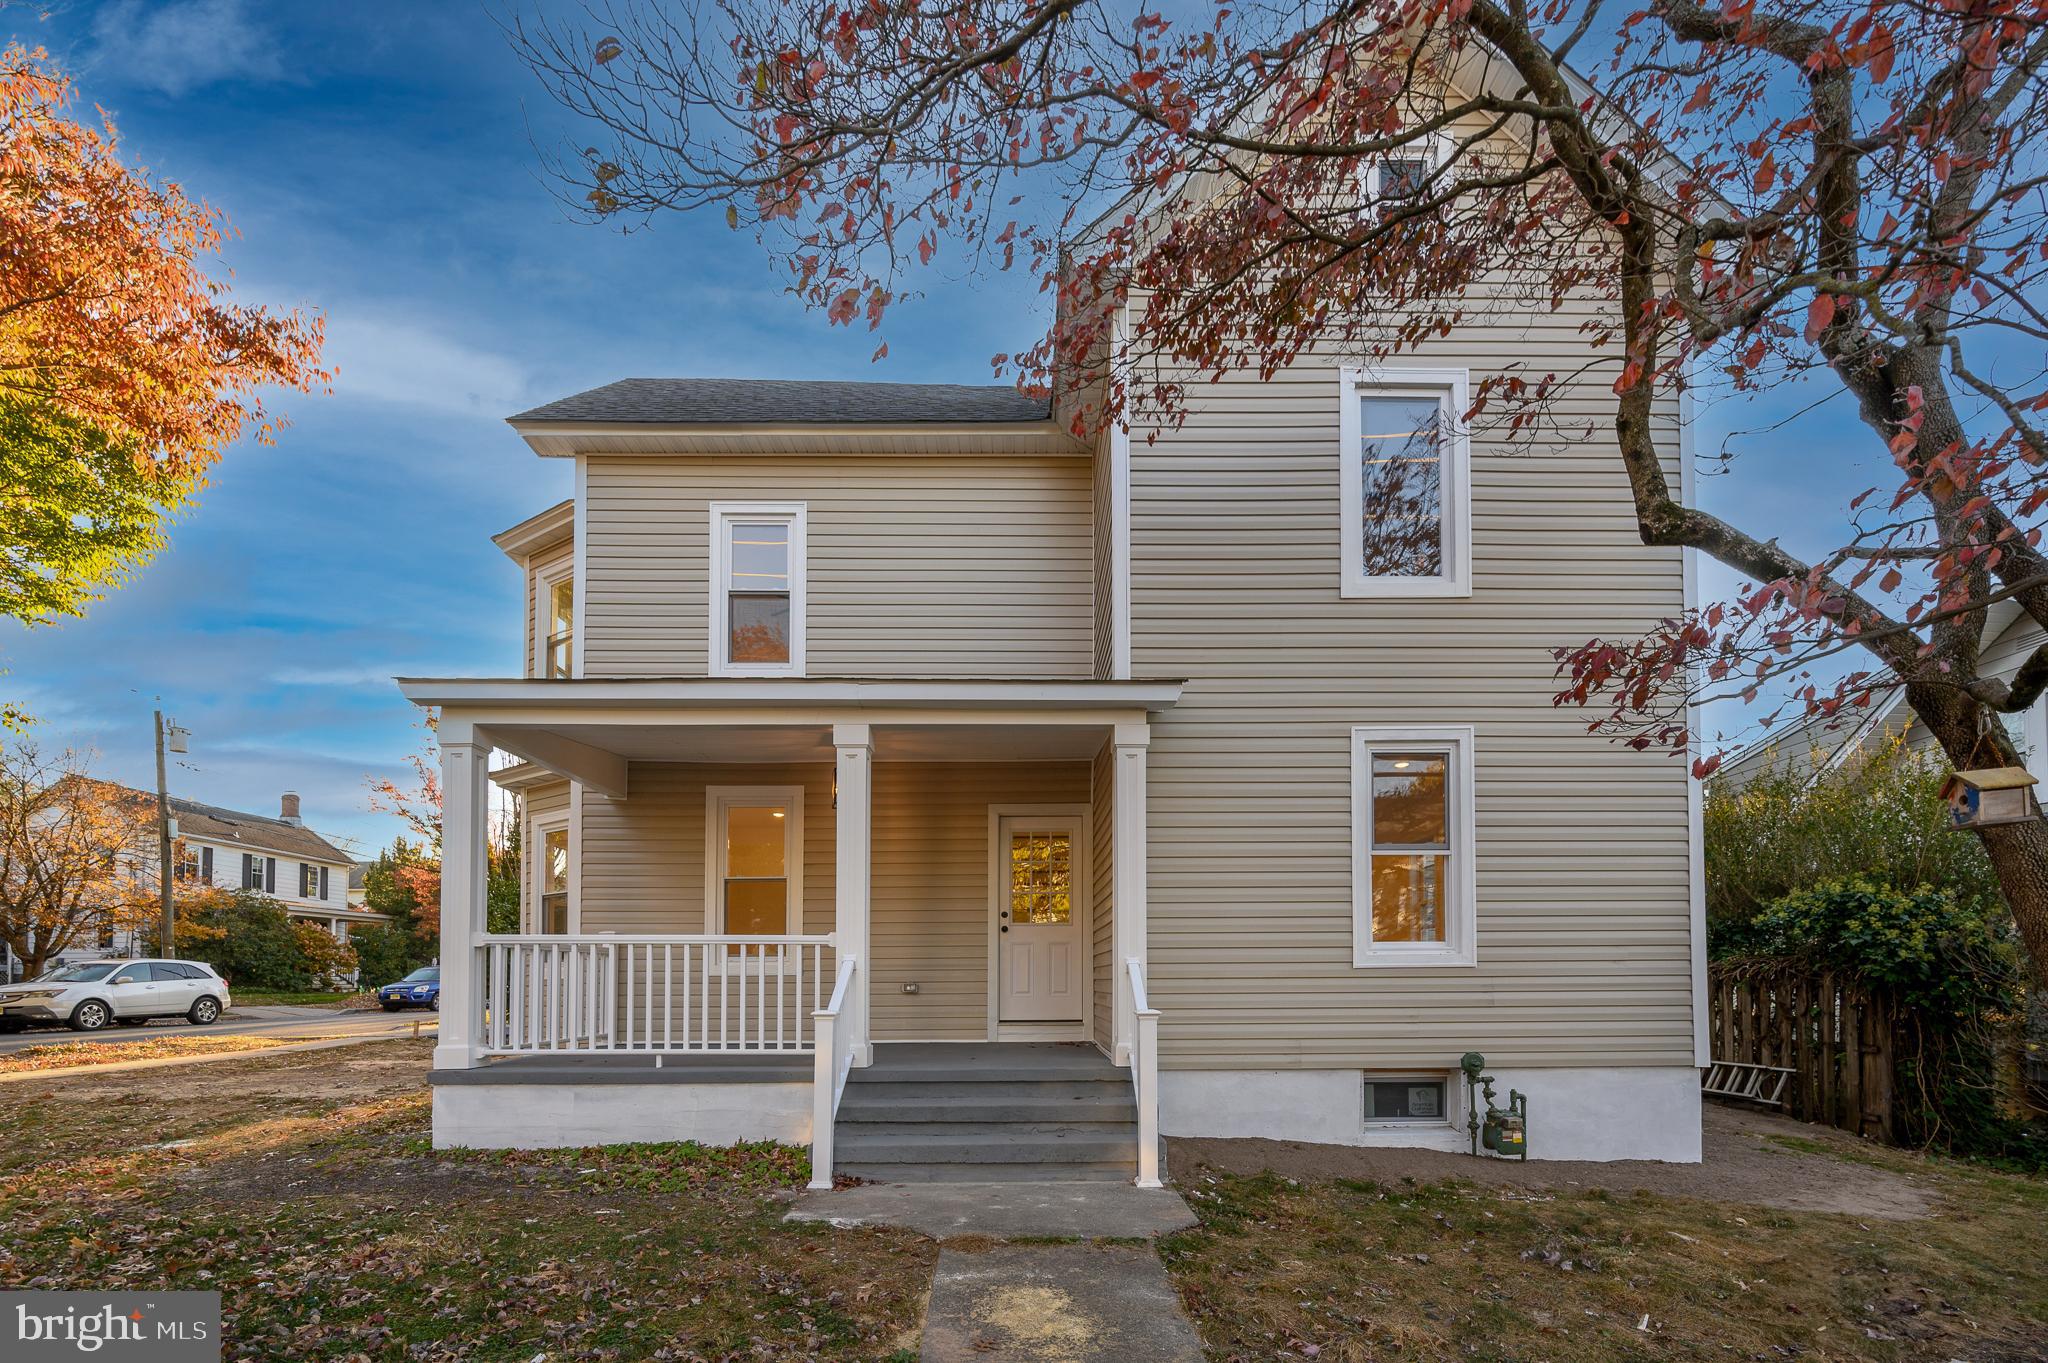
column 536, row 531
column 796, row 695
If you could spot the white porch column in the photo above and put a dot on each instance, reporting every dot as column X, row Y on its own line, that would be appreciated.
column 1132, row 740
column 465, row 806
column 856, row 750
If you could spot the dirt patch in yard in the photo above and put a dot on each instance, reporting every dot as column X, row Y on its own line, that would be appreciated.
column 1750, row 1159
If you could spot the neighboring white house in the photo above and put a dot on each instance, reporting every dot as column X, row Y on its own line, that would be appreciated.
column 1814, row 745
column 276, row 855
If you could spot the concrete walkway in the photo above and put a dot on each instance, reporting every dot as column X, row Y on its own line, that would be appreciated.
column 1086, row 1301
column 1003, row 1211
column 1081, row 1303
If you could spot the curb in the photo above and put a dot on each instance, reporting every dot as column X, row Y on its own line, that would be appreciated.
column 122, row 1066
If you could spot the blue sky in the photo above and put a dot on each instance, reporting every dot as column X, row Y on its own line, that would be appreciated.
column 378, row 161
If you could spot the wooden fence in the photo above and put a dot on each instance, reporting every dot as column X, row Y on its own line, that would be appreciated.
column 1841, row 1037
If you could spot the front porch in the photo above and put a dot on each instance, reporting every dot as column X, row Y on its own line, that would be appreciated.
column 767, row 881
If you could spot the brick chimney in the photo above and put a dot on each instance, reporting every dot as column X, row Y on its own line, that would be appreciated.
column 289, row 808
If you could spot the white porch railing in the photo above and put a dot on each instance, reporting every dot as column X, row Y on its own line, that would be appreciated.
column 833, row 1063
column 1145, row 1075
column 543, row 994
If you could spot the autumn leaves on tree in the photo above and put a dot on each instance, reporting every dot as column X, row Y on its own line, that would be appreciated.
column 125, row 370
column 1844, row 193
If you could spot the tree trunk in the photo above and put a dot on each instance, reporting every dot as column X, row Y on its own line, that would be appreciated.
column 2018, row 851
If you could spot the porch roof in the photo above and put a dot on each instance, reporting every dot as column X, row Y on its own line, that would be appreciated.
column 794, row 693
column 591, row 730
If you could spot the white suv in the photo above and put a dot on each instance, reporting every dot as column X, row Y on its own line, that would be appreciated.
column 91, row 994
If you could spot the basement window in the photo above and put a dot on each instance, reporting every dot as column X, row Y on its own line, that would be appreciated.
column 1407, row 1099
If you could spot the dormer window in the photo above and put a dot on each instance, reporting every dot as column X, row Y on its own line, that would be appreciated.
column 757, row 588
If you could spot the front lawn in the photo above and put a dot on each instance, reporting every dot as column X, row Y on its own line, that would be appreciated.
column 1344, row 1270
column 66, row 1054
column 302, row 1189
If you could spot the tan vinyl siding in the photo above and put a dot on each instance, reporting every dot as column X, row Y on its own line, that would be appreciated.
column 541, row 801
column 918, row 566
column 929, row 913
column 643, row 857
column 1105, row 576
column 551, row 562
column 1102, row 839
column 1583, row 925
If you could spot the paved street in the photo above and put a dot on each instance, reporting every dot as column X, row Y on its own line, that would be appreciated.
column 282, row 1020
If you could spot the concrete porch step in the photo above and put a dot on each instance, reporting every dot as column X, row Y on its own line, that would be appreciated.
column 1022, row 1102
column 1113, row 1171
column 994, row 1143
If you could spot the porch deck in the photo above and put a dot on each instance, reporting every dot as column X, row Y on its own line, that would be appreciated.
column 582, row 1067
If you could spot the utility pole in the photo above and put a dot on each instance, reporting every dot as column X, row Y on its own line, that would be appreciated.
column 172, row 737
column 167, row 914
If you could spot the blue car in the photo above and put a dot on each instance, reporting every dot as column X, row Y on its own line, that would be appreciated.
column 421, row 989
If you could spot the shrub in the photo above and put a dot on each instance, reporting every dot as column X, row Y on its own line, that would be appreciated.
column 327, row 962
column 1878, row 816
column 389, row 951
column 1952, row 972
column 245, row 936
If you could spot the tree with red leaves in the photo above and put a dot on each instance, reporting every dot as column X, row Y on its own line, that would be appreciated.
column 1844, row 192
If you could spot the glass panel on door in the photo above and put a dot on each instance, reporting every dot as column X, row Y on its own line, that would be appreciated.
column 757, row 871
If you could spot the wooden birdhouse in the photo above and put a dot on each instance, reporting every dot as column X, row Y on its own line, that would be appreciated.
column 1996, row 795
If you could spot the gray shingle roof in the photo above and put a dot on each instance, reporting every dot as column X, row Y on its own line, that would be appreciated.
column 790, row 402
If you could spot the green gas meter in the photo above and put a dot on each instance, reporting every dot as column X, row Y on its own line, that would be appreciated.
column 1503, row 1130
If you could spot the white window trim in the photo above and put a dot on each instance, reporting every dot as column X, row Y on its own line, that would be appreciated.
column 1460, row 944
column 796, row 516
column 1454, row 1099
column 1453, row 389
column 538, row 826
column 545, row 581
column 719, row 799
column 1435, row 149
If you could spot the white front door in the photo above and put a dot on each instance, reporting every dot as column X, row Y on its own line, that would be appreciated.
column 1041, row 966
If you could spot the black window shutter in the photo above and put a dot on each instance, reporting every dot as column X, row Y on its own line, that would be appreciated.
column 323, row 882
column 206, row 864
column 270, row 875
column 248, row 871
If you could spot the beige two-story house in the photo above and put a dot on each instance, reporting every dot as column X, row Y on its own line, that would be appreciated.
column 904, row 776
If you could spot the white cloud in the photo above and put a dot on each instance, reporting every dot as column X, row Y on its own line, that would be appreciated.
column 185, row 45
column 386, row 359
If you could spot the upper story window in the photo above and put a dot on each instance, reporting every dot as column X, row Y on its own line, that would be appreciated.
column 558, row 649
column 757, row 589
column 312, row 881
column 1404, row 172
column 1406, row 483
column 1413, row 886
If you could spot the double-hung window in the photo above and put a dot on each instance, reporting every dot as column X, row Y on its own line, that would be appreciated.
column 757, row 589
column 1405, row 482
column 1413, row 883
column 554, row 879
column 559, row 646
